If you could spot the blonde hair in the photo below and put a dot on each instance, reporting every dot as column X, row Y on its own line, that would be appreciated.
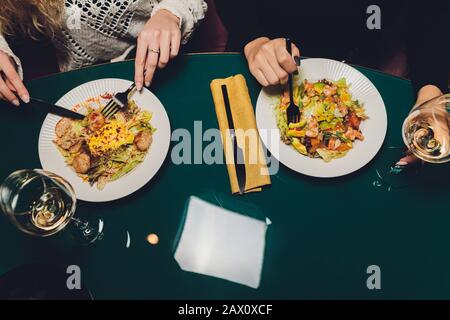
column 31, row 17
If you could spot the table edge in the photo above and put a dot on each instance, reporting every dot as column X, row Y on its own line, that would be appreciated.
column 207, row 54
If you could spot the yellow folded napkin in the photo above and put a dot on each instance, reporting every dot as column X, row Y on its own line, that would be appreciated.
column 257, row 174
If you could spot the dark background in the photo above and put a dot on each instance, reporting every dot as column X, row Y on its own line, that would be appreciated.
column 413, row 41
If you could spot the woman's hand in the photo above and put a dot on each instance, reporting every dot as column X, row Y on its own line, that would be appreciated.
column 426, row 93
column 158, row 42
column 11, row 86
column 269, row 61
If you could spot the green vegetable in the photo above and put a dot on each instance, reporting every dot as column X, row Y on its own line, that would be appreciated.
column 144, row 117
column 328, row 155
column 127, row 168
column 85, row 122
column 281, row 121
column 77, row 128
column 319, row 86
column 341, row 137
column 299, row 146
column 327, row 125
column 341, row 83
column 122, row 156
column 296, row 133
column 300, row 124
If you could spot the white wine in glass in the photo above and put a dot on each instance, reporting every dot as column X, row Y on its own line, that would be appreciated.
column 41, row 203
column 426, row 130
column 37, row 202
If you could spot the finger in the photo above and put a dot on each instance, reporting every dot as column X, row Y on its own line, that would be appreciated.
column 269, row 73
column 281, row 74
column 426, row 93
column 285, row 60
column 150, row 67
column 409, row 159
column 175, row 44
column 14, row 79
column 164, row 48
column 259, row 75
column 152, row 56
column 295, row 51
column 296, row 55
column 141, row 55
column 406, row 163
column 10, row 85
column 8, row 94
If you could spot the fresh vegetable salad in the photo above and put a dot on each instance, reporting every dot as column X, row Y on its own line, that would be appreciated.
column 330, row 119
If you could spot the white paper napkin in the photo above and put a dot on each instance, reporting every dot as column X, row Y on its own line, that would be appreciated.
column 221, row 243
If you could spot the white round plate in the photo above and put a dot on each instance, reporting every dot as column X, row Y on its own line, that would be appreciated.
column 374, row 128
column 53, row 161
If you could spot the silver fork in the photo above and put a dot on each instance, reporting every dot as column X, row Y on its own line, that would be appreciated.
column 118, row 101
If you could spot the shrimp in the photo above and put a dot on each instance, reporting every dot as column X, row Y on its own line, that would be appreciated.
column 309, row 89
column 312, row 129
column 341, row 111
column 285, row 99
column 353, row 120
column 308, row 85
column 330, row 90
column 96, row 120
column 311, row 92
column 82, row 163
column 331, row 143
column 353, row 134
column 143, row 140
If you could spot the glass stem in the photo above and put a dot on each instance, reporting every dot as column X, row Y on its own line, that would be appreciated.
column 89, row 233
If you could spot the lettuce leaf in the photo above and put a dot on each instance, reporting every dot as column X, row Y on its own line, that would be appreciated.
column 326, row 125
column 341, row 83
column 328, row 155
column 128, row 167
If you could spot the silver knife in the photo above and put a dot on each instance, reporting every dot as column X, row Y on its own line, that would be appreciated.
column 238, row 155
column 54, row 109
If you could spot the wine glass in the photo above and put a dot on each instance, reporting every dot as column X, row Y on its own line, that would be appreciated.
column 41, row 203
column 426, row 130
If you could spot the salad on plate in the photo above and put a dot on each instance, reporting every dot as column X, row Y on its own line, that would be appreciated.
column 330, row 122
column 102, row 150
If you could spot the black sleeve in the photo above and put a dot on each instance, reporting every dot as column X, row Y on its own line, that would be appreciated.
column 242, row 19
column 428, row 43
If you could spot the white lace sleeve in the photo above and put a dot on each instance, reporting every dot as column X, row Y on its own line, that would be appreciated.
column 5, row 48
column 190, row 13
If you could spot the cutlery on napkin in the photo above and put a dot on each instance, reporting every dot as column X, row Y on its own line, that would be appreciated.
column 244, row 123
column 238, row 155
column 221, row 243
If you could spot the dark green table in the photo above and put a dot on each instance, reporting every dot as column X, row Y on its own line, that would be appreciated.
column 325, row 233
